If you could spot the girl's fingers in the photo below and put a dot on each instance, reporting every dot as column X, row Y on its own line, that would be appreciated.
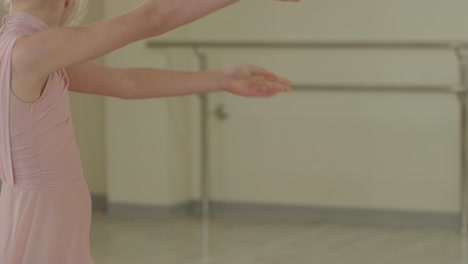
column 271, row 87
column 255, row 70
column 269, row 75
column 280, row 86
column 263, row 83
column 285, row 81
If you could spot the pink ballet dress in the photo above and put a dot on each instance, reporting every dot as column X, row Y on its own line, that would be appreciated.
column 45, row 204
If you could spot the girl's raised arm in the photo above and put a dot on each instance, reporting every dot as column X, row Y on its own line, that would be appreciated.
column 47, row 51
column 63, row 47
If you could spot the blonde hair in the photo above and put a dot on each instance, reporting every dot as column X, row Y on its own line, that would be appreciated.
column 75, row 18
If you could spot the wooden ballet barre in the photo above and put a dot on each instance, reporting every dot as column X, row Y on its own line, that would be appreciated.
column 450, row 45
column 396, row 88
column 460, row 90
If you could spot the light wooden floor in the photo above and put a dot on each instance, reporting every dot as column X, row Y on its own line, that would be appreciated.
column 231, row 241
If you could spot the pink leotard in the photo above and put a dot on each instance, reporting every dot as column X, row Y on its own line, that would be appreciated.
column 45, row 205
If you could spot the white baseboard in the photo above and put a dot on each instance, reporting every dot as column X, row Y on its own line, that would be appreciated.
column 286, row 212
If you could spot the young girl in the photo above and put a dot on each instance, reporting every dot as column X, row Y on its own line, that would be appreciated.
column 45, row 206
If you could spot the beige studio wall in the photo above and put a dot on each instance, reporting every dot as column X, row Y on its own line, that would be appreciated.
column 372, row 151
column 89, row 120
column 151, row 145
column 144, row 155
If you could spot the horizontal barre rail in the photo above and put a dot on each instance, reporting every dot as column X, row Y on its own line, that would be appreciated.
column 453, row 89
column 454, row 45
column 311, row 45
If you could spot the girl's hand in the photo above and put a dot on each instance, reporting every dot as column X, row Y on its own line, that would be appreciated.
column 253, row 81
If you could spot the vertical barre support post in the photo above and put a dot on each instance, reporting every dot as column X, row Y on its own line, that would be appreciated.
column 462, row 97
column 463, row 165
column 204, row 204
